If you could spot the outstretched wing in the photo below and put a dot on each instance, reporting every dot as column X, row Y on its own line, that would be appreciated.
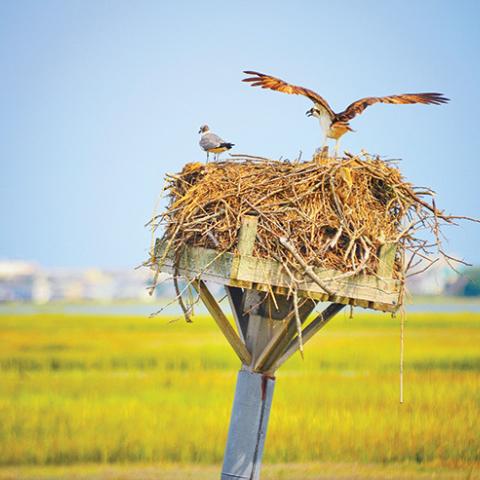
column 356, row 108
column 273, row 83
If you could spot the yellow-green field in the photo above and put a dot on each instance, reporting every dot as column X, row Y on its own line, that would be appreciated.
column 79, row 390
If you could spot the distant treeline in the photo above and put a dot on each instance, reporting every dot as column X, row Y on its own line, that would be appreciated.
column 468, row 284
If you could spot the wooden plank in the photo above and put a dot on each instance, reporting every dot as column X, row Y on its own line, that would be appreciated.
column 222, row 321
column 313, row 327
column 259, row 270
column 235, row 298
column 263, row 274
column 307, row 269
column 260, row 329
column 383, row 307
column 282, row 336
column 276, row 308
column 247, row 235
column 386, row 260
column 363, row 287
column 195, row 261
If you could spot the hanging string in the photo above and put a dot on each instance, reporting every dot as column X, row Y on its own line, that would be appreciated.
column 402, row 331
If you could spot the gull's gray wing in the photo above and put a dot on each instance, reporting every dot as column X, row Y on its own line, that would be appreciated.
column 210, row 140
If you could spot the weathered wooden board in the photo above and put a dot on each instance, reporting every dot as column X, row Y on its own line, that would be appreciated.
column 228, row 331
column 362, row 287
column 211, row 264
column 386, row 260
column 368, row 291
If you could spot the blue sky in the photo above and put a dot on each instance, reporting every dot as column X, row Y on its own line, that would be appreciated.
column 100, row 98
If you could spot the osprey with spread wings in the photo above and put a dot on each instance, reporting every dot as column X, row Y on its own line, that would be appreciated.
column 334, row 125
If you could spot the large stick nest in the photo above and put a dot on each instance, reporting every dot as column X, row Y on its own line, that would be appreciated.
column 331, row 213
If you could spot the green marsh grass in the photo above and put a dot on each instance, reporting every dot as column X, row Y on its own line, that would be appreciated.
column 83, row 389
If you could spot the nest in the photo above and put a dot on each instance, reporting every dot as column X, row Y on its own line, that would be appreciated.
column 325, row 213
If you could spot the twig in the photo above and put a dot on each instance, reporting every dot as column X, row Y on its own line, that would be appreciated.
column 308, row 269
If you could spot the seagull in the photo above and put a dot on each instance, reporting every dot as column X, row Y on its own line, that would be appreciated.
column 335, row 125
column 212, row 143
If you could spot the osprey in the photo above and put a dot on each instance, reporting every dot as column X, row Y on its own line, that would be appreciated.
column 212, row 143
column 335, row 125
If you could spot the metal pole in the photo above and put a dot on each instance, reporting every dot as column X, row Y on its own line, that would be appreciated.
column 248, row 426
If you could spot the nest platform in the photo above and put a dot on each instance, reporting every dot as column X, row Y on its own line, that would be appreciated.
column 329, row 229
column 242, row 269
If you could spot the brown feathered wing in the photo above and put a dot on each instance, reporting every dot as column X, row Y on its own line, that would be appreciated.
column 356, row 108
column 266, row 81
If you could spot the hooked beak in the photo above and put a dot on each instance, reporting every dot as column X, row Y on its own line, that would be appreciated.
column 309, row 113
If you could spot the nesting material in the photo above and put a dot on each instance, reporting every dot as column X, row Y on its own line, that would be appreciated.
column 326, row 213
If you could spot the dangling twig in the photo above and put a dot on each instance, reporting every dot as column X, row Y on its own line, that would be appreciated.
column 308, row 269
column 402, row 331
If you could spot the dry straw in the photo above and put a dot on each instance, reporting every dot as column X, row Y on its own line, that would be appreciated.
column 325, row 213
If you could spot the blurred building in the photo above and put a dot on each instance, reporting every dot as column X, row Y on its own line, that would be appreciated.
column 28, row 282
column 436, row 280
column 20, row 281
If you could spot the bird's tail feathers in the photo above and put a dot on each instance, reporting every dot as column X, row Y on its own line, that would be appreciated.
column 227, row 145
